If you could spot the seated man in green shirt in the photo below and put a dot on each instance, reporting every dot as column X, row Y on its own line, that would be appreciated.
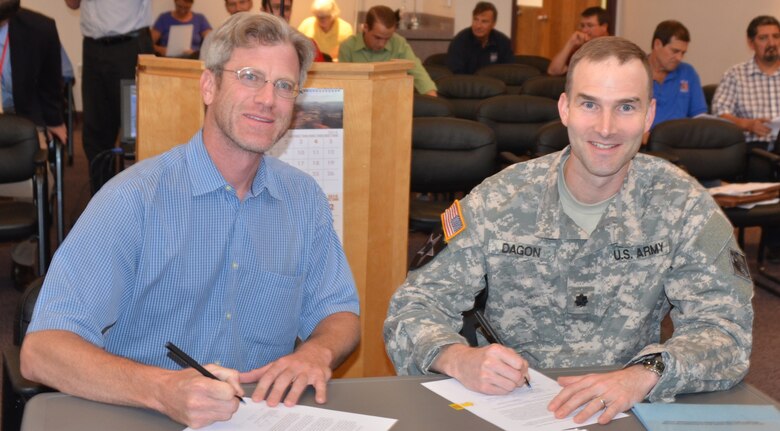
column 379, row 42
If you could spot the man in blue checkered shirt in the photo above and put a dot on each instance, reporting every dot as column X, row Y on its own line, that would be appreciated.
column 226, row 252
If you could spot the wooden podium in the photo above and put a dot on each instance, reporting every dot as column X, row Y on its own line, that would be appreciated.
column 377, row 157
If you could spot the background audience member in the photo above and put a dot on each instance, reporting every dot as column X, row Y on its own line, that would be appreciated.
column 380, row 42
column 283, row 9
column 584, row 253
column 115, row 32
column 182, row 14
column 594, row 22
column 676, row 85
column 235, row 6
column 278, row 8
column 747, row 93
column 481, row 44
column 748, row 96
column 227, row 253
column 325, row 27
column 31, row 67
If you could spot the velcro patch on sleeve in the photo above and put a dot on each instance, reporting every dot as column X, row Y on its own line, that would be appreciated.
column 452, row 221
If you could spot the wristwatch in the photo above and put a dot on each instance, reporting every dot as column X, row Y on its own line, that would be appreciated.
column 654, row 363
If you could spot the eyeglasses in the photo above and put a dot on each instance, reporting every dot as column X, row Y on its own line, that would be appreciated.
column 253, row 78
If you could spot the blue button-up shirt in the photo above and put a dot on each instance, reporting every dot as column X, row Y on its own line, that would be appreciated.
column 167, row 252
column 680, row 95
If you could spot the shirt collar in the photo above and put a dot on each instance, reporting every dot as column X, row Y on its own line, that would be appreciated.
column 361, row 43
column 205, row 177
column 753, row 68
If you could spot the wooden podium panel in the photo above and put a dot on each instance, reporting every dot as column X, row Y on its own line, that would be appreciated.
column 377, row 159
column 170, row 109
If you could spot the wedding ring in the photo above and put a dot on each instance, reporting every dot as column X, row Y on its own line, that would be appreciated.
column 603, row 404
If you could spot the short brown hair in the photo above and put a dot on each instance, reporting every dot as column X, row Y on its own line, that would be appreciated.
column 484, row 6
column 666, row 30
column 383, row 14
column 603, row 48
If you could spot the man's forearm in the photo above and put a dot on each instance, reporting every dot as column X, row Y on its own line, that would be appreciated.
column 337, row 334
column 559, row 63
column 68, row 363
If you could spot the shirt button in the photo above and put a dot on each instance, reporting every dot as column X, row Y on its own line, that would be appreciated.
column 218, row 362
column 228, row 188
column 228, row 316
column 234, row 265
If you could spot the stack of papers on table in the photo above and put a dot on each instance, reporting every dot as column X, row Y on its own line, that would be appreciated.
column 254, row 416
column 707, row 417
column 523, row 409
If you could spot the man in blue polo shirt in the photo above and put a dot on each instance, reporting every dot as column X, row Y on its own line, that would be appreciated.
column 481, row 44
column 676, row 85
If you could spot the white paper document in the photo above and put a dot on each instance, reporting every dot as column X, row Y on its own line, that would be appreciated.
column 179, row 40
column 258, row 416
column 740, row 189
column 523, row 409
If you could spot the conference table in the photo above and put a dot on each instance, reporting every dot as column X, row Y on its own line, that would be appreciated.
column 402, row 398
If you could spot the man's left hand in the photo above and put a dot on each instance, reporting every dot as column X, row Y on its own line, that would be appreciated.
column 309, row 365
column 613, row 392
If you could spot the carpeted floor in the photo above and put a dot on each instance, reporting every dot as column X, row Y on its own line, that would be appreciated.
column 764, row 372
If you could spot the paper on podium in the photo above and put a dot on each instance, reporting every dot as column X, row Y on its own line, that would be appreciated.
column 179, row 40
column 707, row 417
column 258, row 416
column 523, row 409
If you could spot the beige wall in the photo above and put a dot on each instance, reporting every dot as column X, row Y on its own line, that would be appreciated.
column 717, row 27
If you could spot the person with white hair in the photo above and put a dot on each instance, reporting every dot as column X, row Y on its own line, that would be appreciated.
column 325, row 27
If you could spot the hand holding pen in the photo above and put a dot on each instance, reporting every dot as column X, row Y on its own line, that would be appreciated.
column 187, row 359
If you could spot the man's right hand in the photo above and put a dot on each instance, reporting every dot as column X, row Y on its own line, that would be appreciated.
column 492, row 370
column 196, row 401
column 577, row 39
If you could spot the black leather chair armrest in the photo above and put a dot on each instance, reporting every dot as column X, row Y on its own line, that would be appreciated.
column 21, row 386
column 764, row 154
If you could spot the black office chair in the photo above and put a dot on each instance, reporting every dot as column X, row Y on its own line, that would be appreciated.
column 712, row 150
column 465, row 92
column 551, row 137
column 439, row 59
column 516, row 119
column 544, row 86
column 16, row 389
column 709, row 93
column 537, row 61
column 424, row 105
column 449, row 156
column 21, row 159
column 513, row 75
column 437, row 71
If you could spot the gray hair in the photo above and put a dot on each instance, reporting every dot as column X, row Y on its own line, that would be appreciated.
column 249, row 29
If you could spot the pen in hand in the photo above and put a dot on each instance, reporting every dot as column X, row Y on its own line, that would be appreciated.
column 194, row 364
column 492, row 336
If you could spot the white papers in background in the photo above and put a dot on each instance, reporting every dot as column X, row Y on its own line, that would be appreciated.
column 523, row 409
column 744, row 189
column 179, row 40
column 258, row 416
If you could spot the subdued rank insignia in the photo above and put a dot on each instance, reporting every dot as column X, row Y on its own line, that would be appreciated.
column 431, row 248
column 581, row 300
column 452, row 221
column 739, row 264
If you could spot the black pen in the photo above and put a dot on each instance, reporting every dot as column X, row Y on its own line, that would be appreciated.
column 492, row 336
column 194, row 364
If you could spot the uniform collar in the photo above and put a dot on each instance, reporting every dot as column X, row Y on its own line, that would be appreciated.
column 624, row 211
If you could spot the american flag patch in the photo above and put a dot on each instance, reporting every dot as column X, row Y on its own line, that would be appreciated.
column 452, row 221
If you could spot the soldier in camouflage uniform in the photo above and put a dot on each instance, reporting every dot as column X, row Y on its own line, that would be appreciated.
column 572, row 288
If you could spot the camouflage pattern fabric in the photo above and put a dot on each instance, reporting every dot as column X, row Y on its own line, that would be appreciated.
column 563, row 299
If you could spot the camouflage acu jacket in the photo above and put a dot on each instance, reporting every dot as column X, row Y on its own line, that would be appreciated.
column 565, row 299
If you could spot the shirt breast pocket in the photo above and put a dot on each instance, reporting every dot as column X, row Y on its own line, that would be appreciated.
column 269, row 306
